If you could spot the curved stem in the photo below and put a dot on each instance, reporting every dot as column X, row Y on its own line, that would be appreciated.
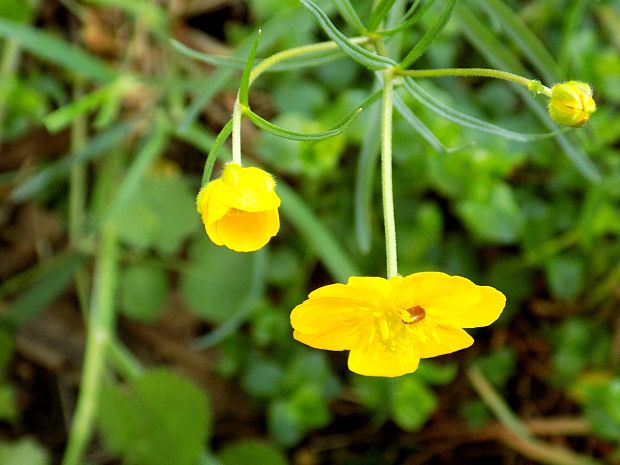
column 478, row 72
column 386, row 176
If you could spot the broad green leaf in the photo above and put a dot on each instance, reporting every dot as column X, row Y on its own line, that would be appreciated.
column 160, row 216
column 361, row 55
column 565, row 275
column 19, row 11
column 602, row 409
column 347, row 10
column 252, row 295
column 262, row 378
column 428, row 37
column 96, row 146
column 495, row 217
column 23, row 451
column 412, row 403
column 216, row 283
column 497, row 367
column 251, row 452
column 160, row 418
column 51, row 48
column 143, row 291
column 294, row 135
column 434, row 373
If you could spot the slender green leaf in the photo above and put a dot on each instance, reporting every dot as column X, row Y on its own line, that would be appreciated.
column 574, row 16
column 379, row 13
column 56, row 50
column 463, row 119
column 350, row 15
column 294, row 135
column 47, row 286
column 418, row 125
column 215, row 148
column 320, row 239
column 428, row 37
column 501, row 57
column 244, row 88
column 97, row 146
column 361, row 55
column 523, row 38
column 409, row 19
column 217, row 60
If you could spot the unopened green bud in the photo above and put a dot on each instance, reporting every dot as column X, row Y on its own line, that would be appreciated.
column 571, row 103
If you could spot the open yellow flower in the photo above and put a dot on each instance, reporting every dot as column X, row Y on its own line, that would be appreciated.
column 571, row 103
column 389, row 325
column 240, row 209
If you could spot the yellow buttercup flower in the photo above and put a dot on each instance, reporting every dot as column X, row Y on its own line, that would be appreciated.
column 571, row 103
column 389, row 325
column 240, row 209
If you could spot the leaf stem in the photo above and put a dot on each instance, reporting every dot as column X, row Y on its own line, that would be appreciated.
column 531, row 84
column 386, row 175
column 236, row 132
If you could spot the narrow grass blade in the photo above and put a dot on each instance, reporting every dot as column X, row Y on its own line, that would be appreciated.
column 321, row 240
column 153, row 144
column 53, row 49
column 409, row 19
column 360, row 54
column 47, row 286
column 428, row 37
column 98, row 145
column 216, row 60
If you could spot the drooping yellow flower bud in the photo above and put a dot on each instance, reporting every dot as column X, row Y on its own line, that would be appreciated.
column 571, row 103
column 240, row 209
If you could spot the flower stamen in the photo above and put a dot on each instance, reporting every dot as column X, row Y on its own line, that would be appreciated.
column 413, row 315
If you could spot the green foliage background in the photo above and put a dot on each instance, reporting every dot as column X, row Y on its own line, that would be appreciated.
column 538, row 220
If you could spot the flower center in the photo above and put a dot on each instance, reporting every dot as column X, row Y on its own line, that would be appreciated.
column 413, row 315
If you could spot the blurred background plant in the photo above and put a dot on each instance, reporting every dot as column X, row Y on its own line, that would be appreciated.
column 104, row 129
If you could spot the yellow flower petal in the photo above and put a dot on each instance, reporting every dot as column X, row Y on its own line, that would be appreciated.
column 482, row 313
column 435, row 291
column 245, row 231
column 379, row 359
column 370, row 289
column 249, row 189
column 444, row 340
column 328, row 323
column 240, row 209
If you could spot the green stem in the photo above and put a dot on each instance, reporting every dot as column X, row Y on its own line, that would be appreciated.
column 236, row 132
column 386, row 176
column 98, row 337
column 8, row 68
column 478, row 72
